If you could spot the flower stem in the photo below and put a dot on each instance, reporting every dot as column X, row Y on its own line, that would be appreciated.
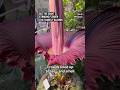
column 57, row 29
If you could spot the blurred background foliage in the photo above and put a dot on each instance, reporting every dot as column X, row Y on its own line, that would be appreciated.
column 10, row 78
column 73, row 13
column 79, row 70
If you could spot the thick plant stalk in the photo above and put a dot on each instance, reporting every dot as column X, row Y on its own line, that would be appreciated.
column 57, row 27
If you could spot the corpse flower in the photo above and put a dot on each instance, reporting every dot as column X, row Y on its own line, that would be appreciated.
column 17, row 45
column 102, row 48
column 60, row 47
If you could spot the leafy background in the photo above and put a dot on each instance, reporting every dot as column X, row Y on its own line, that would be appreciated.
column 73, row 8
column 10, row 79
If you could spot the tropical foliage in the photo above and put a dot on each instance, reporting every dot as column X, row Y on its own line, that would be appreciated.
column 71, row 10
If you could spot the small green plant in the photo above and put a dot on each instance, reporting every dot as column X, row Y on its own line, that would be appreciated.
column 70, row 20
column 70, row 16
column 80, row 5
